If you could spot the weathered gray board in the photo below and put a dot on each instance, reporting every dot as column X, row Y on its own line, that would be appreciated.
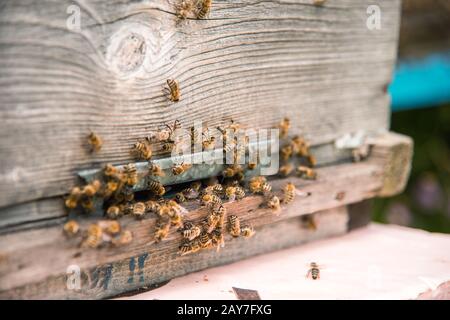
column 252, row 61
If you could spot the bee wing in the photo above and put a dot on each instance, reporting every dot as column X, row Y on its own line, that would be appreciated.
column 302, row 193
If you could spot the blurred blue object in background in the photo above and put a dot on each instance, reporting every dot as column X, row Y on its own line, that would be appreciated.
column 421, row 83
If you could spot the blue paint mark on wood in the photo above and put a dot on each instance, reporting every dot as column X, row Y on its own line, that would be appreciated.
column 141, row 261
column 132, row 267
column 101, row 276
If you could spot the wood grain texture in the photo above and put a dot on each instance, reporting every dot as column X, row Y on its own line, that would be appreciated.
column 132, row 272
column 33, row 262
column 378, row 262
column 250, row 60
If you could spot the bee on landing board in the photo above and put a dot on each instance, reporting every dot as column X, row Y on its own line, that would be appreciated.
column 247, row 231
column 93, row 238
column 273, row 202
column 174, row 90
column 306, row 173
column 73, row 198
column 125, row 238
column 284, row 126
column 289, row 192
column 71, row 228
column 142, row 150
column 131, row 174
column 286, row 170
column 180, row 168
column 156, row 187
column 234, row 226
column 139, row 210
column 314, row 271
column 95, row 142
column 155, row 170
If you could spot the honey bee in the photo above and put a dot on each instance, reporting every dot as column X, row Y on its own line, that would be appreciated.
column 233, row 193
column 284, row 126
column 217, row 238
column 309, row 222
column 94, row 237
column 87, row 204
column 142, row 150
column 139, row 210
column 286, row 152
column 252, row 165
column 266, row 188
column 289, row 192
column 179, row 197
column 318, row 2
column 184, row 8
column 190, row 193
column 216, row 189
column 312, row 162
column 314, row 271
column 247, row 231
column 95, row 142
column 191, row 231
column 152, row 206
column 228, row 172
column 256, row 184
column 190, row 247
column 112, row 227
column 211, row 200
column 306, row 173
column 127, row 208
column 286, row 170
column 125, row 238
column 156, row 187
column 234, row 226
column 162, row 229
column 131, row 175
column 113, row 212
column 92, row 188
column 73, row 198
column 174, row 90
column 196, row 185
column 273, row 202
column 299, row 146
column 110, row 188
column 155, row 170
column 205, row 6
column 111, row 172
column 180, row 168
column 205, row 240
column 71, row 227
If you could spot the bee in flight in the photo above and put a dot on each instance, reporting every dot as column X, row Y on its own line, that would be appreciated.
column 314, row 271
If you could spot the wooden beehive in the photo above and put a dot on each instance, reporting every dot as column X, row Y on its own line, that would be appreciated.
column 254, row 62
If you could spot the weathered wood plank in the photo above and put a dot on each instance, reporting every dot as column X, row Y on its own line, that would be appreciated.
column 34, row 255
column 150, row 267
column 253, row 61
column 384, row 262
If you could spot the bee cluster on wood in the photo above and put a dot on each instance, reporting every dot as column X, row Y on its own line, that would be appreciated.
column 116, row 188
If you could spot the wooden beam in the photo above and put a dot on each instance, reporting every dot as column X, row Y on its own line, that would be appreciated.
column 358, row 265
column 35, row 256
column 252, row 61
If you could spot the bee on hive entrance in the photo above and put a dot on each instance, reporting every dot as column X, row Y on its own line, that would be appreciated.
column 95, row 142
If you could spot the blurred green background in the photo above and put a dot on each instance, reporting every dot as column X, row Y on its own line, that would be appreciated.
column 425, row 203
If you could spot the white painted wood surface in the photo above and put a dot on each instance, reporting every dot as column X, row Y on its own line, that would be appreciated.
column 376, row 262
